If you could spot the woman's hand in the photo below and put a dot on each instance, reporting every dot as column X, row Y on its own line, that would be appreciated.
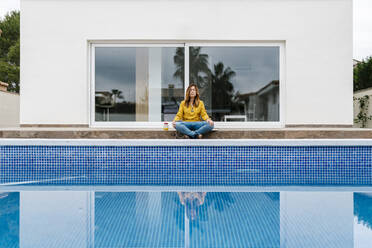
column 210, row 122
column 174, row 124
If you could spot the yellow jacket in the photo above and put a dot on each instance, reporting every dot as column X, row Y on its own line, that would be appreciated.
column 191, row 114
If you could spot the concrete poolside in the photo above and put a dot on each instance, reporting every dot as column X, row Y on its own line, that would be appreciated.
column 116, row 133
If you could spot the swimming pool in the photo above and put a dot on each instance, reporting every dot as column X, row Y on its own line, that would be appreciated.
column 54, row 218
column 186, row 162
column 182, row 193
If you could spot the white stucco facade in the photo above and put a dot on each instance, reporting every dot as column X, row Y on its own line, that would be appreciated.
column 316, row 36
column 9, row 109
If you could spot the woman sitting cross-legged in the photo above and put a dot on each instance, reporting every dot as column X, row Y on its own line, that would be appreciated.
column 192, row 120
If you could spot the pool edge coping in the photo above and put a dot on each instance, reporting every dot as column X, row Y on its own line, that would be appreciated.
column 184, row 142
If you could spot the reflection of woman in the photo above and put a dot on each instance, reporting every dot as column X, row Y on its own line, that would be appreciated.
column 192, row 119
column 192, row 201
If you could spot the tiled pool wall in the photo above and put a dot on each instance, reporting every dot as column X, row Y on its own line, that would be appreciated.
column 181, row 162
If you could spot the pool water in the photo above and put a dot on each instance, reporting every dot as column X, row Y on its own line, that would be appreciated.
column 160, row 220
column 9, row 219
column 139, row 218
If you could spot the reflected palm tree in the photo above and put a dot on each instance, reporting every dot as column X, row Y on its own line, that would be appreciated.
column 179, row 61
column 220, row 200
column 117, row 94
column 216, row 88
column 222, row 90
column 216, row 200
column 199, row 70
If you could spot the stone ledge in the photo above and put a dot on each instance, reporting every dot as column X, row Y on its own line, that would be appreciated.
column 286, row 133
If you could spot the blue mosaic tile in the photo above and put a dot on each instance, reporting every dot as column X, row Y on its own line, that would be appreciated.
column 182, row 165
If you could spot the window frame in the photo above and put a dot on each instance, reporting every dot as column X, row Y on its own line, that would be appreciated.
column 158, row 125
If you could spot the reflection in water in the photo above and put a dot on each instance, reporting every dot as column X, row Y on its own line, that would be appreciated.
column 363, row 208
column 363, row 220
column 230, row 219
column 184, row 219
column 237, row 219
column 9, row 219
column 192, row 201
column 187, row 219
column 316, row 219
column 138, row 219
column 3, row 194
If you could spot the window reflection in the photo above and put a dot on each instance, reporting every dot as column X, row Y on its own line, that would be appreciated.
column 137, row 83
column 237, row 83
column 172, row 82
column 147, row 83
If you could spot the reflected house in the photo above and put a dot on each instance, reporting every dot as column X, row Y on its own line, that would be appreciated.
column 263, row 104
column 171, row 99
column 105, row 101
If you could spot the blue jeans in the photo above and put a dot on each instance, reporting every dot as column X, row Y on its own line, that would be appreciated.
column 193, row 128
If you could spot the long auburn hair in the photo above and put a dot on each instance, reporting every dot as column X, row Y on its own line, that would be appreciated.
column 197, row 97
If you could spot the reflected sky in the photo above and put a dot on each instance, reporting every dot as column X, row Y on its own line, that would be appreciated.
column 363, row 220
column 115, row 68
column 160, row 219
column 168, row 68
column 255, row 67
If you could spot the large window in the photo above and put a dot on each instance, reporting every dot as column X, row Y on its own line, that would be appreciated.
column 146, row 83
column 237, row 83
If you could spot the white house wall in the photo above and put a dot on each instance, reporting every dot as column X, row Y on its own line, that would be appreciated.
column 317, row 35
column 9, row 109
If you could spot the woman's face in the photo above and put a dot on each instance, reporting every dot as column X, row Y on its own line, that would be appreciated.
column 192, row 91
